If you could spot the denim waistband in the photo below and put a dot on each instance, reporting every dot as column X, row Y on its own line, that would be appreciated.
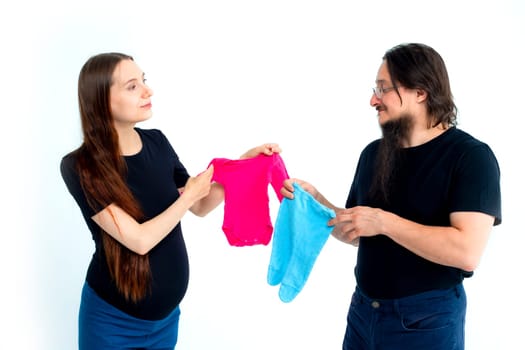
column 408, row 301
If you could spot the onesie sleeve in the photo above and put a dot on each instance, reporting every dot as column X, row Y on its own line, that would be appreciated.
column 278, row 175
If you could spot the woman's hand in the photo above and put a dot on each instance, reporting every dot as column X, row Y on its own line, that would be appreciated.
column 267, row 149
column 287, row 189
column 198, row 187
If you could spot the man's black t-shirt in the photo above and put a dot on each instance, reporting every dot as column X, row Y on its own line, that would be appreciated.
column 453, row 172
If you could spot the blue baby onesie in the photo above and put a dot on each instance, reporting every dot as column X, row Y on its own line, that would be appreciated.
column 300, row 233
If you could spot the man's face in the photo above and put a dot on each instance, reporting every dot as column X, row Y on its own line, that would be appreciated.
column 389, row 103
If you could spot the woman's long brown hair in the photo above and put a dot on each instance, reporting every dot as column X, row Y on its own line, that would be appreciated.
column 102, row 171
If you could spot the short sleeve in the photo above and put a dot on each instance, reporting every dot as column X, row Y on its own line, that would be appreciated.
column 180, row 174
column 477, row 185
column 72, row 181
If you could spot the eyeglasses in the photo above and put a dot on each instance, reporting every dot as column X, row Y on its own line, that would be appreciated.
column 380, row 91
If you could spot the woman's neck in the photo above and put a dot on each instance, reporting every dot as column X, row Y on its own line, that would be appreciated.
column 129, row 141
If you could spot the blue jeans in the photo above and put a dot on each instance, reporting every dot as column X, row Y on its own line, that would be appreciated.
column 101, row 326
column 432, row 320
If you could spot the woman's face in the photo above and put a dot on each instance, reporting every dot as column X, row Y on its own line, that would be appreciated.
column 130, row 101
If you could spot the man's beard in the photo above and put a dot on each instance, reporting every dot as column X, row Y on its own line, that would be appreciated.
column 389, row 159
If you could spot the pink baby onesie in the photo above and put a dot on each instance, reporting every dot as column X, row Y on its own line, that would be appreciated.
column 246, row 203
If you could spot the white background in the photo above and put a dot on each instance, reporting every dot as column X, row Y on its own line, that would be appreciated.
column 229, row 75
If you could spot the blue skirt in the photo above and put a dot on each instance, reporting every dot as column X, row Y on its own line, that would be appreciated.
column 101, row 326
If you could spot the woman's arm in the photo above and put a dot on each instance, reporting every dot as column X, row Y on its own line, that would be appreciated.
column 142, row 237
column 207, row 204
column 287, row 191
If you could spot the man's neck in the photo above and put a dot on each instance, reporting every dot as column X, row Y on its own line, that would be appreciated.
column 420, row 135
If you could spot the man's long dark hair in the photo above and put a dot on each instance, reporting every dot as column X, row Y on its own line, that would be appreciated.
column 413, row 66
column 418, row 66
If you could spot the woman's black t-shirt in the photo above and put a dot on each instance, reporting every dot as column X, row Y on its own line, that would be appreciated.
column 154, row 176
